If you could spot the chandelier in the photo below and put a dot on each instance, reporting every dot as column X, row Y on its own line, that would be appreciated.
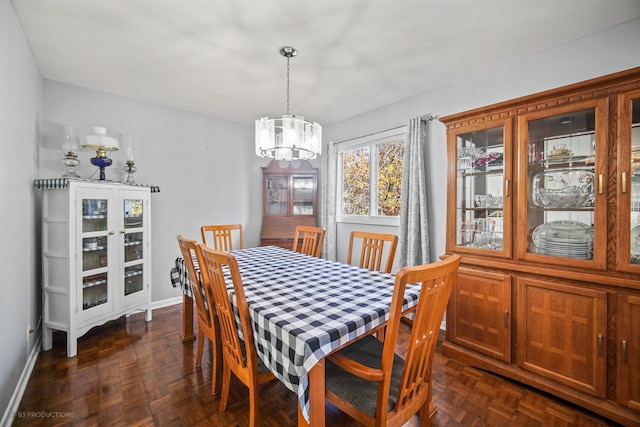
column 288, row 137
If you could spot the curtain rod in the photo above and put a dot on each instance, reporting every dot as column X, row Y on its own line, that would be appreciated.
column 424, row 120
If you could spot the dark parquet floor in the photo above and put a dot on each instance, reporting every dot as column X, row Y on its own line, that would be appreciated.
column 133, row 373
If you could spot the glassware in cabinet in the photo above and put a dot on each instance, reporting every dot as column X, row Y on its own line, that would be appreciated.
column 481, row 201
column 133, row 246
column 94, row 250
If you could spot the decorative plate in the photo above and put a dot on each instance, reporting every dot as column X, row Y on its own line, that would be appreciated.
column 563, row 231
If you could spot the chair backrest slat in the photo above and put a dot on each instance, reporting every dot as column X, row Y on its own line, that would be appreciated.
column 312, row 240
column 372, row 250
column 189, row 249
column 222, row 236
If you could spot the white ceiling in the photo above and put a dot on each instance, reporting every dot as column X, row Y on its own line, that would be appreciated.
column 220, row 58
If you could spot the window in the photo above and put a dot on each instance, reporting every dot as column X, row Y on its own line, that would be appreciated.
column 370, row 177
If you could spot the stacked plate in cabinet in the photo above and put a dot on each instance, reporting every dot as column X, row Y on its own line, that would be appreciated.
column 569, row 239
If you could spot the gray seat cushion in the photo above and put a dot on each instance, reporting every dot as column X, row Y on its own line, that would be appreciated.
column 359, row 392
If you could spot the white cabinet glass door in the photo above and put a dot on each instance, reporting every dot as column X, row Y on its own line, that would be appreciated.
column 134, row 248
column 95, row 292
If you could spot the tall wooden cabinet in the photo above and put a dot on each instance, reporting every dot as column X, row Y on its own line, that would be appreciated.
column 96, row 255
column 289, row 200
column 544, row 207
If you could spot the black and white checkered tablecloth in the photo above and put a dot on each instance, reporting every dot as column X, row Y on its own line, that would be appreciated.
column 302, row 308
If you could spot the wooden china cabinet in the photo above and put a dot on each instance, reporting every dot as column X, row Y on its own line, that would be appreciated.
column 289, row 199
column 544, row 207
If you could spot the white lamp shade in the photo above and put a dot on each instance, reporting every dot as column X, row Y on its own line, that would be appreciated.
column 288, row 138
column 99, row 140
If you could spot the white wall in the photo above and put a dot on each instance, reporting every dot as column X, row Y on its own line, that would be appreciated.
column 604, row 53
column 206, row 168
column 20, row 123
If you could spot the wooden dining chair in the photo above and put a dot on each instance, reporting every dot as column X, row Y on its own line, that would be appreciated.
column 238, row 356
column 372, row 249
column 308, row 240
column 205, row 313
column 372, row 384
column 222, row 236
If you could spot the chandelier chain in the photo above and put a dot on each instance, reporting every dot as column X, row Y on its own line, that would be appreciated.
column 288, row 77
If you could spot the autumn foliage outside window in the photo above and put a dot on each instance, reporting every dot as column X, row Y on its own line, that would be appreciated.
column 383, row 179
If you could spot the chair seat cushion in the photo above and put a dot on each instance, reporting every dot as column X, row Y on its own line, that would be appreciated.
column 355, row 390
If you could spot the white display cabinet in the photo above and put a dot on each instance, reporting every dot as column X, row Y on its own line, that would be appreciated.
column 96, row 254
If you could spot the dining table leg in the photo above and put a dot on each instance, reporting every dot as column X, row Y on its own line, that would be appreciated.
column 316, row 397
column 187, row 319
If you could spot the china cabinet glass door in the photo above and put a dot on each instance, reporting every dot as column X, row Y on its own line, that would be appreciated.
column 563, row 196
column 302, row 200
column 483, row 200
column 95, row 294
column 276, row 193
column 628, row 212
column 134, row 250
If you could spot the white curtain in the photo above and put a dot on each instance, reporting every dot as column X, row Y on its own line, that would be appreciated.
column 413, row 241
column 328, row 200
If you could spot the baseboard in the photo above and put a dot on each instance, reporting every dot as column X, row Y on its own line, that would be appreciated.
column 12, row 408
column 166, row 302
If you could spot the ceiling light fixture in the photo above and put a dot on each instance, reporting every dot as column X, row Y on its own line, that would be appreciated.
column 288, row 137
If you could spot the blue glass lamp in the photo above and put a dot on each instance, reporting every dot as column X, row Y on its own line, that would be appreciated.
column 102, row 143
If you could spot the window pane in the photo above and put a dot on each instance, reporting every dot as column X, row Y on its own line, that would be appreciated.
column 355, row 186
column 390, row 160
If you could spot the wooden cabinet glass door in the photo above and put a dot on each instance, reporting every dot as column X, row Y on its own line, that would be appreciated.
column 276, row 193
column 563, row 196
column 628, row 188
column 481, row 215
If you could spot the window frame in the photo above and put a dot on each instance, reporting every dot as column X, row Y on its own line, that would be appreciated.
column 370, row 141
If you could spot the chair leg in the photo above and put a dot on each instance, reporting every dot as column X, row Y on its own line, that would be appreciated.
column 216, row 373
column 226, row 379
column 254, row 410
column 200, row 348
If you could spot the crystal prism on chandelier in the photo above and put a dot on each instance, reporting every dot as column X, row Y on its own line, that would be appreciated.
column 288, row 137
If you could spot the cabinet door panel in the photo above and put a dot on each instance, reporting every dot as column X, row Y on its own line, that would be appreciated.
column 562, row 192
column 95, row 234
column 479, row 216
column 628, row 184
column 561, row 333
column 479, row 313
column 134, row 240
column 628, row 350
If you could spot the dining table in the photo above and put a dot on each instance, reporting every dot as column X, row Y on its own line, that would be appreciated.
column 303, row 309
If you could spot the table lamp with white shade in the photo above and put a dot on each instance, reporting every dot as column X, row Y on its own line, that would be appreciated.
column 102, row 143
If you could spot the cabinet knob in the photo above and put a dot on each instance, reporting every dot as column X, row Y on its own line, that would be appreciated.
column 122, row 231
column 111, row 233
